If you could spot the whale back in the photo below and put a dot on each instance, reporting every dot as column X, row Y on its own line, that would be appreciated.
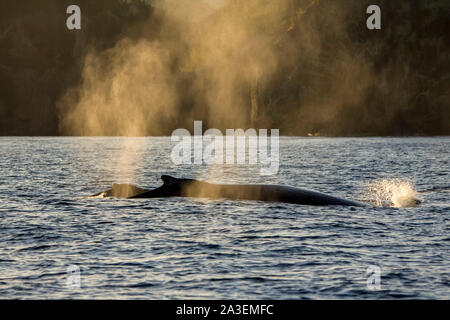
column 121, row 190
column 174, row 187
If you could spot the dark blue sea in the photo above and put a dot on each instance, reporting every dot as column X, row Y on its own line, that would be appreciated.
column 179, row 248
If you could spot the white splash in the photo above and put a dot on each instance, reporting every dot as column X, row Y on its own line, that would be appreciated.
column 398, row 193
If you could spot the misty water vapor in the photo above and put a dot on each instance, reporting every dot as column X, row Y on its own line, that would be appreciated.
column 138, row 86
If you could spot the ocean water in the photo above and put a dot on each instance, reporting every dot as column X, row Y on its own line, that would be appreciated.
column 177, row 248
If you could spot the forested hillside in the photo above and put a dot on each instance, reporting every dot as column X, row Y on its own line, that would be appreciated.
column 303, row 66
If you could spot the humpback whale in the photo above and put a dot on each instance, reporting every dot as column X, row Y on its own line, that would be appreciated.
column 174, row 187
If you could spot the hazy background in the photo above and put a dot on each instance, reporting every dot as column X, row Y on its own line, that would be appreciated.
column 149, row 67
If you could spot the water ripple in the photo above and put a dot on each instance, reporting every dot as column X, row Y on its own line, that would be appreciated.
column 195, row 249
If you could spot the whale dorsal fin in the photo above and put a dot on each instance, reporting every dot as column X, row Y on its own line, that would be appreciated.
column 168, row 180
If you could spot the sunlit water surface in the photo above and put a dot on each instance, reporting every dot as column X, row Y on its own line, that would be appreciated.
column 191, row 248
